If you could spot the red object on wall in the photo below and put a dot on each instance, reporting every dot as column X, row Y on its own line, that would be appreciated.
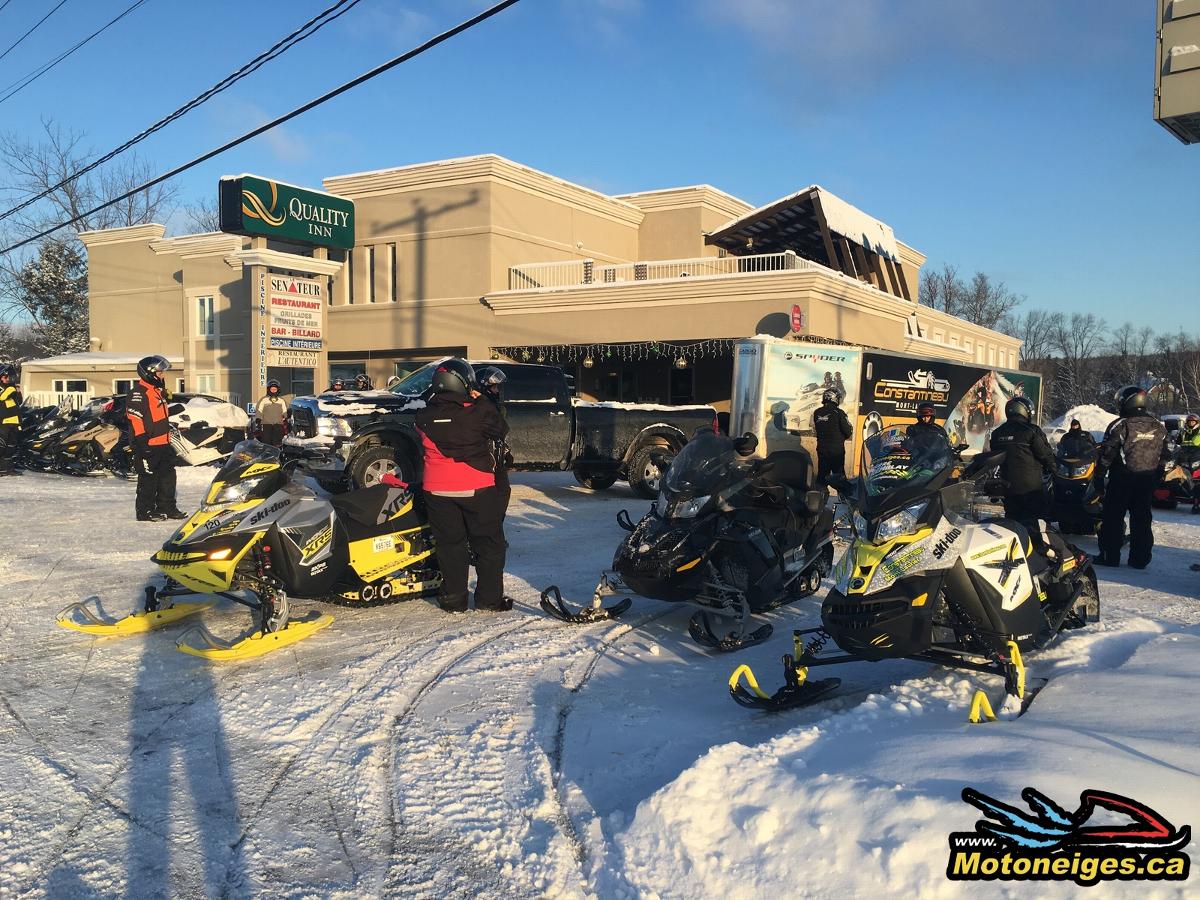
column 797, row 319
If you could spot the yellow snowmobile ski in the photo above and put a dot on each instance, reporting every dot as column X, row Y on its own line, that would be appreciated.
column 78, row 617
column 258, row 644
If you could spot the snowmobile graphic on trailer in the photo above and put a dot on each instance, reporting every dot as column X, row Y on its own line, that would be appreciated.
column 259, row 534
column 921, row 580
column 729, row 535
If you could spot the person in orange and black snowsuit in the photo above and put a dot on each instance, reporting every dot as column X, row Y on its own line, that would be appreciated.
column 10, row 420
column 458, row 435
column 150, row 437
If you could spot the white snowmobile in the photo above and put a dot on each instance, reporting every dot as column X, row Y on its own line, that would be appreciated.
column 923, row 580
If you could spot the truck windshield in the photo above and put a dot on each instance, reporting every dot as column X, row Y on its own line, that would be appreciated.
column 417, row 382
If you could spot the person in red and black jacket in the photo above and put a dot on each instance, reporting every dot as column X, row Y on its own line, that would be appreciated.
column 458, row 436
column 150, row 436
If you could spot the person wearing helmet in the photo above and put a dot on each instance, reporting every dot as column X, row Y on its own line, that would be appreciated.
column 491, row 387
column 926, row 423
column 338, row 384
column 833, row 429
column 1076, row 441
column 10, row 420
column 1027, row 459
column 1133, row 453
column 1189, row 451
column 271, row 414
column 458, row 436
column 150, row 438
column 362, row 382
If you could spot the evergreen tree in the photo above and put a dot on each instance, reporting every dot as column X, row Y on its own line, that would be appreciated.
column 52, row 289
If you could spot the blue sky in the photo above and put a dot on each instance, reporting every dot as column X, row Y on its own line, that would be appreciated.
column 1012, row 137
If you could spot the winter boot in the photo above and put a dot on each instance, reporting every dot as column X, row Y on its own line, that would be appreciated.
column 175, row 513
column 453, row 604
column 505, row 604
column 150, row 517
column 1103, row 559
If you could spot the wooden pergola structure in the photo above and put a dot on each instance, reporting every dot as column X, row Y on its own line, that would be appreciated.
column 820, row 226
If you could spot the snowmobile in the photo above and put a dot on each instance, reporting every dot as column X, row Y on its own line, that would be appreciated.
column 259, row 534
column 96, row 443
column 195, row 442
column 1180, row 482
column 1076, row 490
column 39, row 447
column 923, row 581
column 729, row 535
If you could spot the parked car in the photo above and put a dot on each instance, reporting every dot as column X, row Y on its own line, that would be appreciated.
column 356, row 437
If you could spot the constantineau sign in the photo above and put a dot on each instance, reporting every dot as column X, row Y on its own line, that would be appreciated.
column 259, row 207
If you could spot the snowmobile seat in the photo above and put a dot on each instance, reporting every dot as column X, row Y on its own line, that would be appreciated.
column 367, row 512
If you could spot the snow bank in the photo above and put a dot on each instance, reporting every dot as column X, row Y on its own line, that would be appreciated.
column 1091, row 418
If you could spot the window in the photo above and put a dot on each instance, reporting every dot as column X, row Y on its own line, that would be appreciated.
column 530, row 383
column 123, row 385
column 206, row 322
column 206, row 384
column 70, row 386
column 346, row 370
column 370, row 274
column 179, row 388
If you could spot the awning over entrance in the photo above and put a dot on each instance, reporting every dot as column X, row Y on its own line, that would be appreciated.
column 820, row 226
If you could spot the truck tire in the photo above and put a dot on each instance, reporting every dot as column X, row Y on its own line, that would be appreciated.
column 371, row 463
column 595, row 481
column 646, row 470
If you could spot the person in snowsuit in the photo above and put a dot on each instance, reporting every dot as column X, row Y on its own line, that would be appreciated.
column 491, row 387
column 10, row 420
column 362, row 382
column 272, row 415
column 150, row 437
column 1076, row 441
column 1027, row 459
column 925, row 422
column 336, row 385
column 458, row 434
column 1133, row 452
column 1189, row 451
column 833, row 429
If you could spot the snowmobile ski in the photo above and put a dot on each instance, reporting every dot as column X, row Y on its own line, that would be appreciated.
column 78, row 617
column 552, row 604
column 797, row 690
column 200, row 642
column 701, row 630
column 1020, row 691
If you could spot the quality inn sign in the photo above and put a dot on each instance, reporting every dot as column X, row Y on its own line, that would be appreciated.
column 259, row 207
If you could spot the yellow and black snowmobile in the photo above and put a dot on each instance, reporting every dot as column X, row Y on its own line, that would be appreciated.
column 923, row 579
column 261, row 540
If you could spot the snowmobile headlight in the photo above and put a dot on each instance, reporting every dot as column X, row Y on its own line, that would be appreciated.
column 235, row 492
column 1082, row 471
column 331, row 427
column 860, row 526
column 903, row 522
column 687, row 509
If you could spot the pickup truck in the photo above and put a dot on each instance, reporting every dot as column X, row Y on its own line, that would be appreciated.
column 354, row 438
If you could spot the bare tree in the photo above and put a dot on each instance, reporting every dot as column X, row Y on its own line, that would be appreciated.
column 1178, row 361
column 1131, row 348
column 1077, row 341
column 1035, row 329
column 983, row 301
column 204, row 215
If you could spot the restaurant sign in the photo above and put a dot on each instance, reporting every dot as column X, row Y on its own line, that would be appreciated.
column 259, row 207
column 297, row 313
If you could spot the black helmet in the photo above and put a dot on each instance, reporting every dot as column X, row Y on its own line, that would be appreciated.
column 453, row 376
column 490, row 375
column 362, row 382
column 150, row 368
column 1130, row 399
column 9, row 372
column 272, row 384
column 337, row 384
column 1019, row 408
column 830, row 396
column 925, row 409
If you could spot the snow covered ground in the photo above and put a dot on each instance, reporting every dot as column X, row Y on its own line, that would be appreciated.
column 404, row 752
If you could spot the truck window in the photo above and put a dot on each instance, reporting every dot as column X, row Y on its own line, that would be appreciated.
column 416, row 383
column 530, row 384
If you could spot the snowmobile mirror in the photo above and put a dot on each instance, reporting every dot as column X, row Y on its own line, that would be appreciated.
column 175, row 409
column 746, row 444
column 814, row 502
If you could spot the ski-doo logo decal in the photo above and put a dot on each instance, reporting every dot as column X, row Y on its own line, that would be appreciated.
column 1128, row 841
column 940, row 548
column 269, row 511
column 316, row 545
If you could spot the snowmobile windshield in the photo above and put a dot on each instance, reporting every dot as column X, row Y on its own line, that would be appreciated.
column 701, row 466
column 253, row 470
column 893, row 460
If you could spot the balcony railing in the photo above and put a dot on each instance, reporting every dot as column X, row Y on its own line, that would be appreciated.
column 577, row 272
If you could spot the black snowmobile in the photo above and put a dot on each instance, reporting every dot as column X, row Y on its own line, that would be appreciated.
column 729, row 535
column 40, row 445
column 923, row 580
column 1076, row 490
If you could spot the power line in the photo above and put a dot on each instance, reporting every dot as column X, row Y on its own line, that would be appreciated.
column 21, row 83
column 31, row 30
column 6, row 2
column 286, row 117
column 307, row 30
